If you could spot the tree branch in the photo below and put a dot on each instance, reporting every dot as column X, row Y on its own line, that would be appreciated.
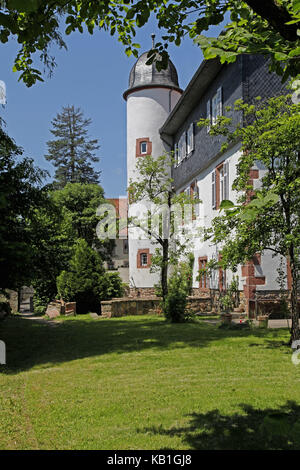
column 277, row 15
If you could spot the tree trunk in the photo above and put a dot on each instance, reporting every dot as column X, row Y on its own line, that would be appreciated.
column 164, row 269
column 295, row 333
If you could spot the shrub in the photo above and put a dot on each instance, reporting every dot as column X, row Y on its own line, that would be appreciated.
column 86, row 281
column 179, row 287
column 39, row 305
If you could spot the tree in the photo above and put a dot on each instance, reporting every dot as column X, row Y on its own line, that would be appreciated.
column 267, row 218
column 68, row 214
column 78, row 204
column 20, row 194
column 161, row 214
column 85, row 281
column 269, row 27
column 51, row 249
column 72, row 152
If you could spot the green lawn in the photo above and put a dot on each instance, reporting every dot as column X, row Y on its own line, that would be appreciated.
column 141, row 383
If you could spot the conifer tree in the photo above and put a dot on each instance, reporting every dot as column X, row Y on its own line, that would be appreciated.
column 72, row 152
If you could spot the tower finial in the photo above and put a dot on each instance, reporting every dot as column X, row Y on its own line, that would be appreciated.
column 153, row 37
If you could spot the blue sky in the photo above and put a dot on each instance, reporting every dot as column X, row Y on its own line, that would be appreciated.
column 92, row 74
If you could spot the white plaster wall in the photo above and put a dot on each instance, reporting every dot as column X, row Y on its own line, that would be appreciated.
column 147, row 110
column 268, row 268
column 269, row 264
column 207, row 213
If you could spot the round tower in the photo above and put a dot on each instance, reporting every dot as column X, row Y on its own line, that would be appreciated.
column 150, row 98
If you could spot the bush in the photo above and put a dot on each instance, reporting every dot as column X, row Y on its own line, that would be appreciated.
column 86, row 281
column 179, row 287
column 39, row 305
column 112, row 286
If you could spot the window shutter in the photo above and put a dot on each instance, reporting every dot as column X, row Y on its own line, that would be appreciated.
column 197, row 196
column 182, row 147
column 176, row 154
column 226, row 180
column 219, row 103
column 214, row 110
column 190, row 138
column 208, row 114
column 213, row 188
column 179, row 150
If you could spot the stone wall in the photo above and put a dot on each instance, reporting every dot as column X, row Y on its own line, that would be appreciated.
column 59, row 307
column 149, row 292
column 142, row 293
column 142, row 306
column 12, row 299
column 268, row 302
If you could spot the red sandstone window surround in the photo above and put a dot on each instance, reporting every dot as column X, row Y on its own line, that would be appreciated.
column 203, row 277
column 143, row 258
column 220, row 184
column 143, row 147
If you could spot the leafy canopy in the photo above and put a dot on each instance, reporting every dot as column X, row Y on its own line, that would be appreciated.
column 268, row 217
column 21, row 193
column 269, row 27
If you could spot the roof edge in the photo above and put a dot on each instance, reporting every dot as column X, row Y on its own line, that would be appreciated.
column 197, row 86
column 153, row 85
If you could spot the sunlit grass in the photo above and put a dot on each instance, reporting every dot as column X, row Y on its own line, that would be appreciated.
column 141, row 383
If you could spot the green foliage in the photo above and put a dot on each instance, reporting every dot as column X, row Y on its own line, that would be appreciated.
column 112, row 286
column 85, row 282
column 179, row 287
column 269, row 27
column 267, row 218
column 51, row 250
column 226, row 302
column 162, row 224
column 72, row 151
column 78, row 203
column 20, row 195
column 67, row 215
column 40, row 304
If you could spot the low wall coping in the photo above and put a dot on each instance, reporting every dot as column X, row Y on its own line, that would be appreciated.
column 145, row 299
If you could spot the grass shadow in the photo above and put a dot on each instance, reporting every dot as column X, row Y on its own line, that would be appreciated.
column 32, row 342
column 251, row 429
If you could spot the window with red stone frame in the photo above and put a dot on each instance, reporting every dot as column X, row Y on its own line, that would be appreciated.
column 143, row 147
column 220, row 184
column 203, row 277
column 143, row 258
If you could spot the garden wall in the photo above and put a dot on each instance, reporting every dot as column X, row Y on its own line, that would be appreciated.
column 142, row 306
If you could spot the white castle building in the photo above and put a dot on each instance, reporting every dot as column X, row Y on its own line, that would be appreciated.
column 161, row 117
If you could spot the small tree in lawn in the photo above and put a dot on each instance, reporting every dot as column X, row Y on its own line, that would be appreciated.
column 85, row 281
column 267, row 218
column 72, row 152
column 155, row 186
